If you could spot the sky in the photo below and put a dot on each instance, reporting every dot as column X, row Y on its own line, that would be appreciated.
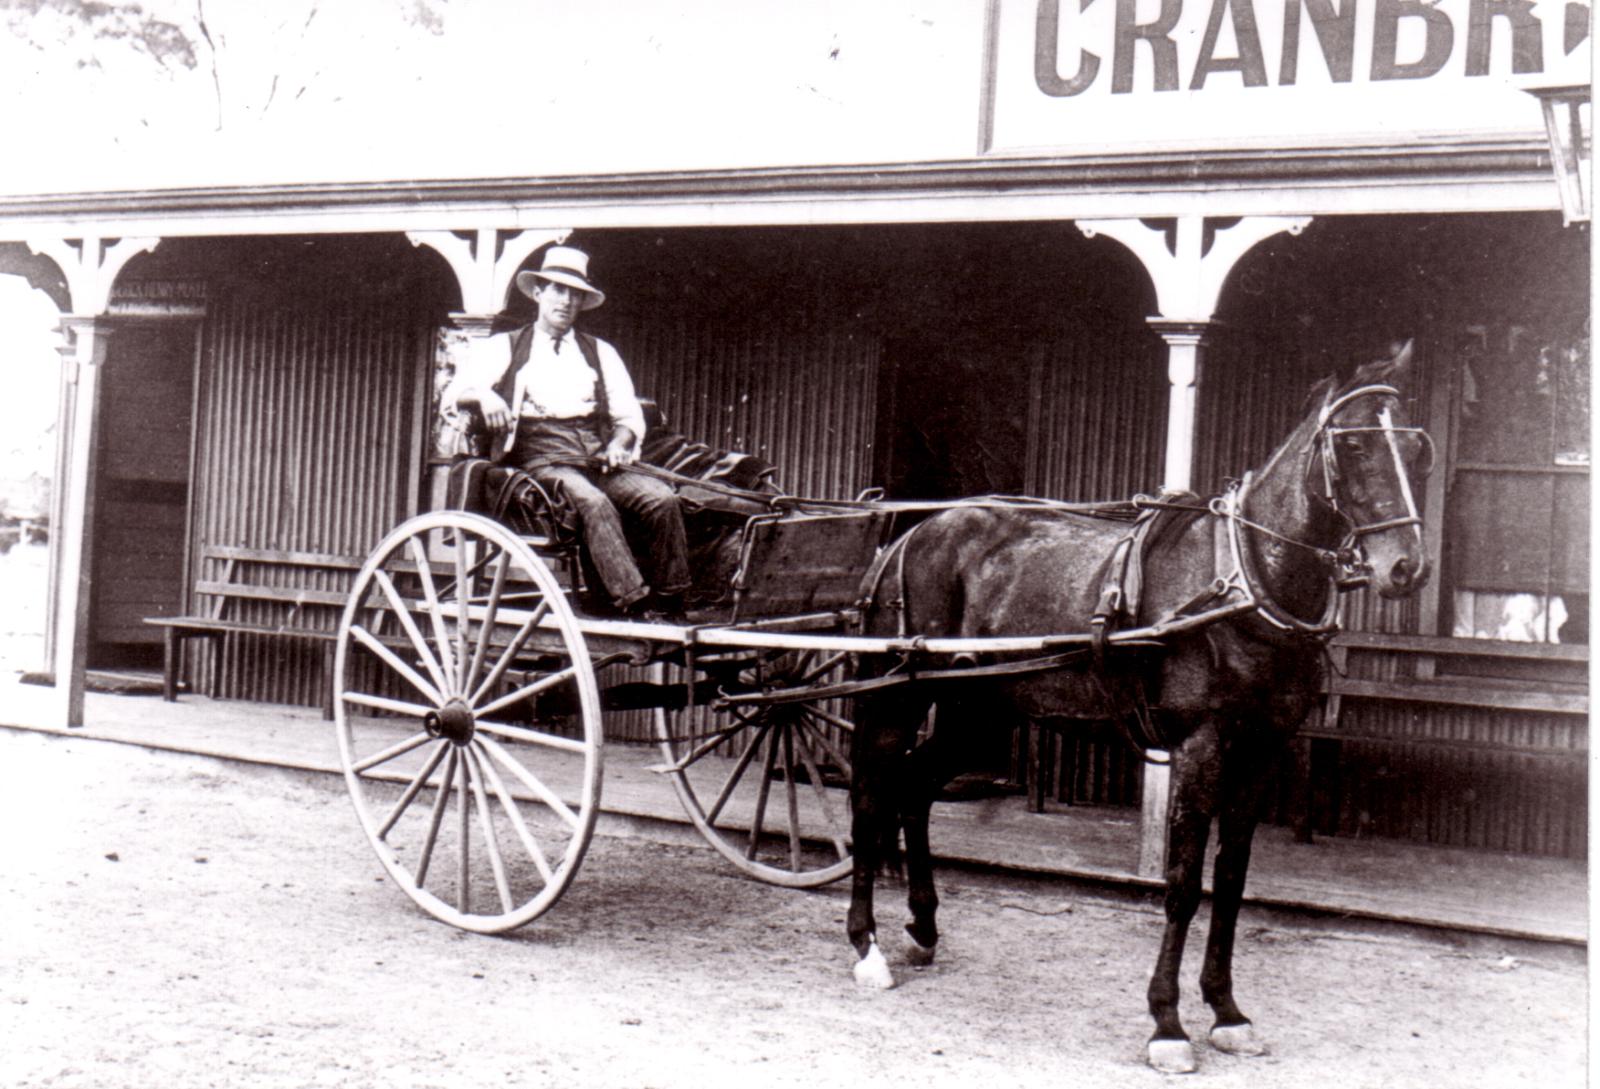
column 323, row 90
column 31, row 365
column 143, row 93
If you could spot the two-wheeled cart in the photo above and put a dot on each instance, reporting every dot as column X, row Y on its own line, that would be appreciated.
column 470, row 684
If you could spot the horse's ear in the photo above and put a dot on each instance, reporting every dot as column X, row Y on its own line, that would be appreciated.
column 1394, row 367
column 1401, row 363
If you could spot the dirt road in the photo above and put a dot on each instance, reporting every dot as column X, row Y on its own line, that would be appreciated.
column 174, row 921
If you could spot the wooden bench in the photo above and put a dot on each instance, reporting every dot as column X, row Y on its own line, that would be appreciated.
column 233, row 579
column 1432, row 669
column 1424, row 682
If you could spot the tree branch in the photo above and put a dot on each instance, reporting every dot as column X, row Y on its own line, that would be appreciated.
column 216, row 80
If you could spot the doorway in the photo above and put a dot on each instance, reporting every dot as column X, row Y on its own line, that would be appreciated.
column 141, row 490
column 951, row 423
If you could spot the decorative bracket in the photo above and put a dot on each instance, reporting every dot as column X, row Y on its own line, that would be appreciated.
column 90, row 267
column 483, row 275
column 1188, row 278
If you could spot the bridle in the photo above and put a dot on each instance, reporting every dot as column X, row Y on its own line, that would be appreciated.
column 1324, row 440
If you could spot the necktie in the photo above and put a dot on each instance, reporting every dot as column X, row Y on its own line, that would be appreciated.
column 555, row 344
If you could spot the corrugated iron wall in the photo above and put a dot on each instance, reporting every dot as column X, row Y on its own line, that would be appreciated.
column 307, row 421
column 805, row 401
column 1097, row 420
column 1463, row 793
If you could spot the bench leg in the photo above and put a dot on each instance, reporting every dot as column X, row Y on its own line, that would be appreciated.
column 171, row 649
column 1037, row 743
column 1302, row 815
column 327, row 681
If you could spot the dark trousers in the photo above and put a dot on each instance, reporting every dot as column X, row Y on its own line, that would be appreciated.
column 611, row 504
column 613, row 509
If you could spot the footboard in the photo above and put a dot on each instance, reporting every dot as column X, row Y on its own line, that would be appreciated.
column 805, row 562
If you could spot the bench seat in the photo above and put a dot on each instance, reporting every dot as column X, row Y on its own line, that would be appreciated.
column 275, row 578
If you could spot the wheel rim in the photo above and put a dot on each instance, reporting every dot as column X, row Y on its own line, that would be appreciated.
column 468, row 721
column 767, row 784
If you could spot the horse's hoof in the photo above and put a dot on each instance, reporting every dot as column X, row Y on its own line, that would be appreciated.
column 919, row 955
column 873, row 971
column 1237, row 1039
column 1171, row 1056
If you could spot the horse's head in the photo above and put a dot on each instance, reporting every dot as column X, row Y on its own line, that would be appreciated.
column 1367, row 457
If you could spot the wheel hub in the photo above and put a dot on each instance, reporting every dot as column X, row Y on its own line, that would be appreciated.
column 453, row 721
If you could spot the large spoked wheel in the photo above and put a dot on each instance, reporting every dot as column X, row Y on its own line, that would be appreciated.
column 478, row 803
column 767, row 782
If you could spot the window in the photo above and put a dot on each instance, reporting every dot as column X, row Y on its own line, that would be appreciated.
column 1517, row 546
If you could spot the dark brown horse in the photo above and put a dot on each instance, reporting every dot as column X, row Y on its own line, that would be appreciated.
column 1240, row 593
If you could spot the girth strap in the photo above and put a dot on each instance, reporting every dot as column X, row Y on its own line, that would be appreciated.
column 1121, row 593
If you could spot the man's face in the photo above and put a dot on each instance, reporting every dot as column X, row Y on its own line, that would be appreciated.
column 559, row 305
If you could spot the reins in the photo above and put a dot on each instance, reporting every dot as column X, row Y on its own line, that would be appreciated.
column 1243, row 584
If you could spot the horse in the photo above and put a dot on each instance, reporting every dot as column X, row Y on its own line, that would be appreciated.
column 1237, row 597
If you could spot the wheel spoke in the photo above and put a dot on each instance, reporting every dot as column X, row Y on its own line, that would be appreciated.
column 371, row 642
column 762, row 789
column 707, row 745
column 507, row 802
column 435, row 818
column 403, row 614
column 812, row 674
column 527, row 690
column 827, row 743
column 496, row 589
column 486, row 824
column 384, row 703
column 544, row 793
column 533, row 737
column 464, row 583
column 736, row 774
column 509, row 655
column 823, row 801
column 412, row 789
column 441, row 634
column 830, row 718
column 464, row 859
column 790, row 789
column 400, row 748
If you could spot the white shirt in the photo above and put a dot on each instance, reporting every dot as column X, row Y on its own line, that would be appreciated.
column 552, row 384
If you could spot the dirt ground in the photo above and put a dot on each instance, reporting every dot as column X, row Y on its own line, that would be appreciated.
column 175, row 921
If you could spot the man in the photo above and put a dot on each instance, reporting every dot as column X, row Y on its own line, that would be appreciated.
column 556, row 402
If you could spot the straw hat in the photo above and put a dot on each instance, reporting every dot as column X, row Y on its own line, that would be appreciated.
column 562, row 265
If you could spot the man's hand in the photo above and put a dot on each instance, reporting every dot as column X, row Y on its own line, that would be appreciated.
column 491, row 406
column 620, row 450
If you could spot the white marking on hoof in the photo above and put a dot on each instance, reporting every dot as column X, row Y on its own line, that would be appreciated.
column 1237, row 1040
column 873, row 971
column 1171, row 1056
column 917, row 954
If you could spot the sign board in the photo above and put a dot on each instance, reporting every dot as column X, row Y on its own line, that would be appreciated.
column 158, row 298
column 1107, row 76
